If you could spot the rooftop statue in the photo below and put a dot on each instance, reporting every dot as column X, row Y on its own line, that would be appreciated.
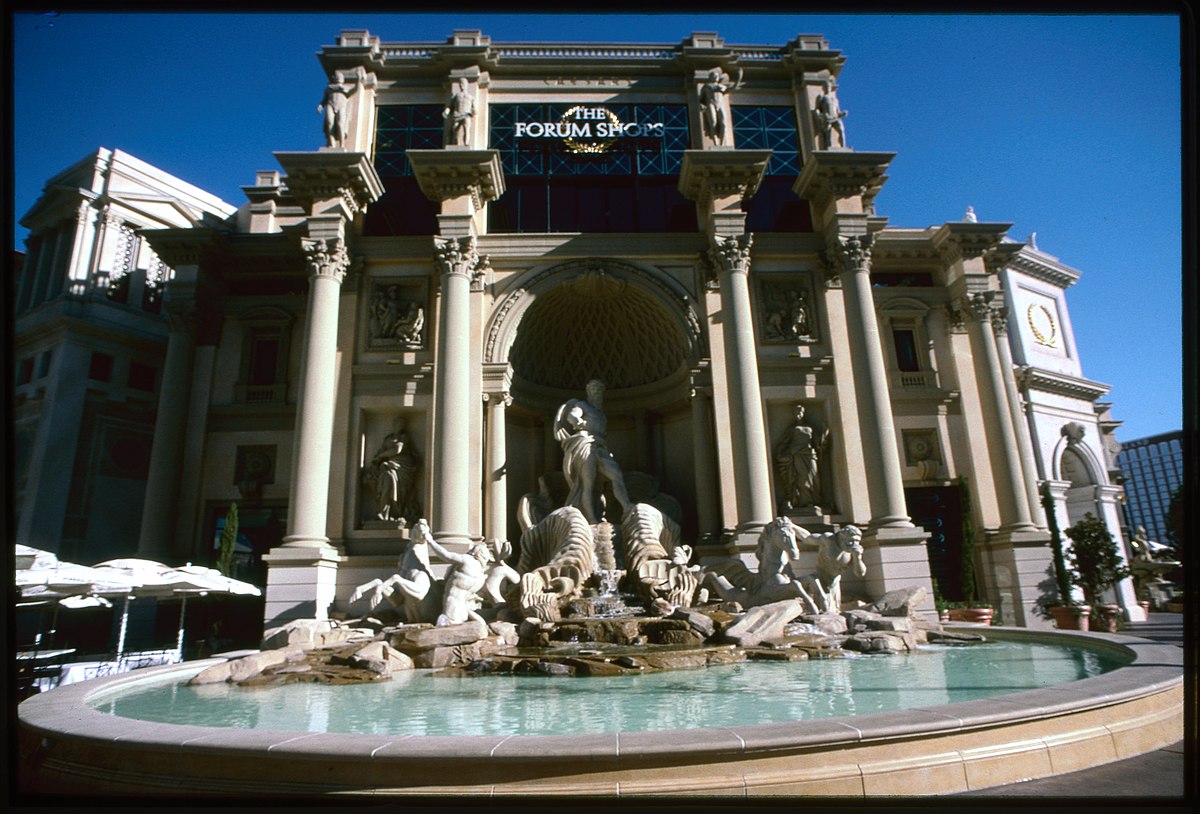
column 829, row 118
column 336, row 106
column 581, row 427
column 712, row 103
column 460, row 114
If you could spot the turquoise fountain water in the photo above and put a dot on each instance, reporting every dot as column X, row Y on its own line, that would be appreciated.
column 419, row 703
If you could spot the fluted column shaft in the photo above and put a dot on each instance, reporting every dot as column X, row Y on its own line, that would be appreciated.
column 308, row 510
column 870, row 381
column 748, row 439
column 1010, row 481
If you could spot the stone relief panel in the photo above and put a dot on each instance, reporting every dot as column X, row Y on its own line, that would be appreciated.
column 787, row 310
column 922, row 450
column 254, row 468
column 396, row 316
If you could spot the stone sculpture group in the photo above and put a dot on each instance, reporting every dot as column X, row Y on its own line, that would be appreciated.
column 571, row 549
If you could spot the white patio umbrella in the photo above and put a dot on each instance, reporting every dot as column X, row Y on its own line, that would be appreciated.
column 165, row 582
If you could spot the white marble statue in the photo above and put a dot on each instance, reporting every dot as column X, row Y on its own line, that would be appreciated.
column 413, row 589
column 581, row 427
column 776, row 578
column 460, row 589
column 460, row 114
column 656, row 558
column 557, row 557
column 1146, row 549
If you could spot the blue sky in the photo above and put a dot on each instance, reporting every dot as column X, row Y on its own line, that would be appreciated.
column 1064, row 125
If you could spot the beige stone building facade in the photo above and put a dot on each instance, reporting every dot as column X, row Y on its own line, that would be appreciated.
column 387, row 329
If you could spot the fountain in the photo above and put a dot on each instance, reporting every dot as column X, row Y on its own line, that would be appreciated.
column 635, row 641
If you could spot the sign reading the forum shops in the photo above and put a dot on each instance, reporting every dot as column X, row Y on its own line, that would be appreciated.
column 588, row 129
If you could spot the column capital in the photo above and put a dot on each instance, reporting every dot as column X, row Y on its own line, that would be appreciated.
column 499, row 399
column 853, row 252
column 731, row 253
column 982, row 306
column 326, row 257
column 457, row 257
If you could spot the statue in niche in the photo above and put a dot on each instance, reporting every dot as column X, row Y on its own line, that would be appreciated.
column 581, row 427
column 336, row 107
column 788, row 317
column 797, row 461
column 394, row 319
column 829, row 118
column 460, row 114
column 712, row 103
column 393, row 474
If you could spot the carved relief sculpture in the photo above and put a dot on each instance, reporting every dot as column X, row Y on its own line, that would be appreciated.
column 460, row 114
column 787, row 314
column 392, row 474
column 829, row 117
column 393, row 319
column 797, row 461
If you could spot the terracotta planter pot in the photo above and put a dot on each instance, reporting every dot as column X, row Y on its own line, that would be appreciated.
column 1110, row 618
column 1070, row 617
column 982, row 616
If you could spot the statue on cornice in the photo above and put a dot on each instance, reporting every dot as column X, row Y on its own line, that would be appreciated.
column 829, row 118
column 336, row 107
column 460, row 114
column 712, row 103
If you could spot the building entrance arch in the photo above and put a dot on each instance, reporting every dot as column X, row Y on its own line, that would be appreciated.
column 631, row 327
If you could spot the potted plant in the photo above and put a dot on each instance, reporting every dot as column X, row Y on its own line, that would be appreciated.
column 1097, row 565
column 1067, row 614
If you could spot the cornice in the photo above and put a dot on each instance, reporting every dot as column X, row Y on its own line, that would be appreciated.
column 1043, row 267
column 1049, row 381
column 325, row 174
column 838, row 174
column 709, row 174
column 450, row 173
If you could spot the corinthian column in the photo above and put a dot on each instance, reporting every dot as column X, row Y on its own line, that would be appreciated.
column 170, row 425
column 458, row 263
column 884, row 475
column 1002, row 440
column 1020, row 425
column 327, row 261
column 748, row 439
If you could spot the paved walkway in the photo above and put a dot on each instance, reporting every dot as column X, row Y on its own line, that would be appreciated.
column 1158, row 778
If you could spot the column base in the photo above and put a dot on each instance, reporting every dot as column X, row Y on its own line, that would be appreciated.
column 301, row 583
column 1021, row 576
column 896, row 558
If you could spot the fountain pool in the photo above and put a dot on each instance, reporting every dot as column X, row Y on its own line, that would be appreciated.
column 419, row 703
column 824, row 730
